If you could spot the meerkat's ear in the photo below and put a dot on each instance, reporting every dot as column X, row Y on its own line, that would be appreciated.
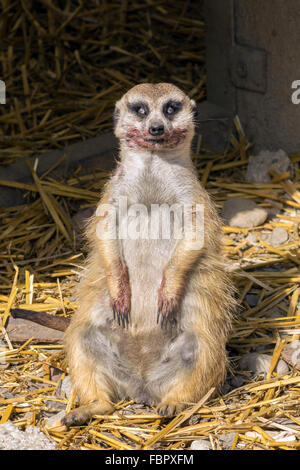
column 194, row 109
column 116, row 114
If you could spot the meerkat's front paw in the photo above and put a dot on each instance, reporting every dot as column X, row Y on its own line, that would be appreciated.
column 169, row 409
column 121, row 303
column 167, row 304
column 166, row 310
column 121, row 310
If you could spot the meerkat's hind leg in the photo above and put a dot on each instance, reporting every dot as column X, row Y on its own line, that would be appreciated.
column 170, row 409
column 173, row 370
column 193, row 370
column 90, row 378
column 82, row 414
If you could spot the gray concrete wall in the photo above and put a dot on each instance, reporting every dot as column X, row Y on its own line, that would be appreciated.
column 272, row 29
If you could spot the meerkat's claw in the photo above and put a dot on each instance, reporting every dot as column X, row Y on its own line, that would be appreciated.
column 73, row 418
column 158, row 315
column 169, row 409
column 166, row 310
column 84, row 413
column 168, row 302
column 126, row 316
column 121, row 314
column 162, row 318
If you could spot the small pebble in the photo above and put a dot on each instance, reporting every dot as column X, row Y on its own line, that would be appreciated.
column 259, row 165
column 252, row 238
column 54, row 405
column 194, row 419
column 226, row 440
column 237, row 381
column 252, row 299
column 266, row 237
column 54, row 422
column 259, row 364
column 243, row 213
column 66, row 387
column 200, row 444
column 279, row 236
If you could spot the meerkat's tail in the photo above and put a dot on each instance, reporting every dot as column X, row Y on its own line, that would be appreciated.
column 42, row 318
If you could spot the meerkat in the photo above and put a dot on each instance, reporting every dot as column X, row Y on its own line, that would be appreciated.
column 154, row 313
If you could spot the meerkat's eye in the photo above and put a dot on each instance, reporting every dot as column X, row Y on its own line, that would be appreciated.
column 171, row 108
column 141, row 109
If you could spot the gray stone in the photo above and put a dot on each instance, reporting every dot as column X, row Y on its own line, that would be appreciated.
column 252, row 299
column 54, row 422
column 226, row 440
column 266, row 237
column 243, row 213
column 237, row 381
column 66, row 387
column 5, row 394
column 194, row 419
column 200, row 444
column 259, row 364
column 279, row 236
column 259, row 165
column 252, row 238
column 11, row 438
column 54, row 405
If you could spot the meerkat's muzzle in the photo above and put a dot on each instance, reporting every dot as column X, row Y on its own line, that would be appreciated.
column 156, row 137
column 157, row 130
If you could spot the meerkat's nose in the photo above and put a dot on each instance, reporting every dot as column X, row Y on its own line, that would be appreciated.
column 157, row 129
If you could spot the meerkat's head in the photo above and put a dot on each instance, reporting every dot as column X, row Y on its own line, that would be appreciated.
column 155, row 117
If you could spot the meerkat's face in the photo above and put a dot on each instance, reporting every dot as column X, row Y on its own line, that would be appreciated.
column 155, row 117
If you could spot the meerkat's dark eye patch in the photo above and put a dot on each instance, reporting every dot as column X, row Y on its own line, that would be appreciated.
column 139, row 108
column 171, row 108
